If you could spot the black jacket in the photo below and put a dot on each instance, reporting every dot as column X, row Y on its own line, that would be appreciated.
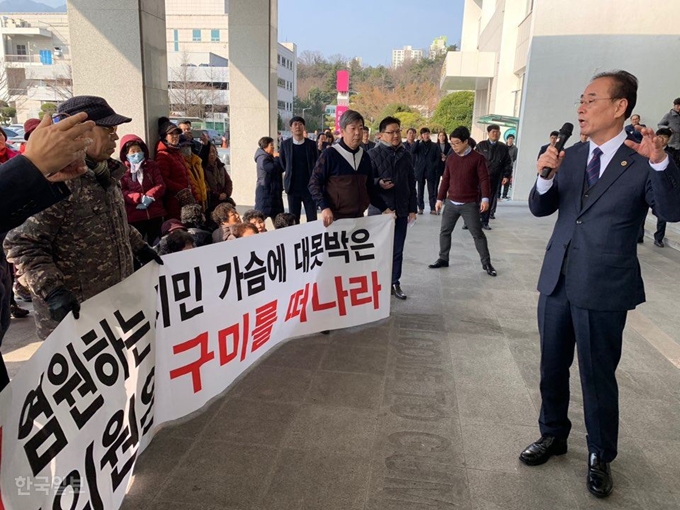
column 397, row 165
column 447, row 150
column 269, row 187
column 428, row 156
column 286, row 160
column 497, row 157
column 24, row 192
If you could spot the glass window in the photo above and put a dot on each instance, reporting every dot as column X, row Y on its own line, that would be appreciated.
column 215, row 35
column 175, row 39
column 196, row 37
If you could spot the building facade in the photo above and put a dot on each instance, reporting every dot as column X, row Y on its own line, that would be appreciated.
column 531, row 59
column 406, row 54
column 438, row 47
column 35, row 61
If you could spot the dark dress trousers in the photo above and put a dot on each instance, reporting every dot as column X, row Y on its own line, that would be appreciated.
column 589, row 280
column 296, row 185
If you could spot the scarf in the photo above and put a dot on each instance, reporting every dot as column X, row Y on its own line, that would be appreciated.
column 137, row 172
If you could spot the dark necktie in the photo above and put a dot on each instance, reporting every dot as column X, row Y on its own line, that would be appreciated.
column 593, row 168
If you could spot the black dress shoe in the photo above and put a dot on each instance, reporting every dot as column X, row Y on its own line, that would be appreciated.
column 465, row 227
column 492, row 216
column 599, row 481
column 489, row 269
column 659, row 244
column 486, row 227
column 397, row 292
column 539, row 452
column 439, row 263
column 420, row 211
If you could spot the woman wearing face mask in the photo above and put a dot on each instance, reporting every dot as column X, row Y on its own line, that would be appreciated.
column 143, row 188
column 170, row 162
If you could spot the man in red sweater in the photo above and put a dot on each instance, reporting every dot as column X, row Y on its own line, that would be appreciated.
column 465, row 174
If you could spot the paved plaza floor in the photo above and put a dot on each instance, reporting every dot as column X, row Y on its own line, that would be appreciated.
column 430, row 408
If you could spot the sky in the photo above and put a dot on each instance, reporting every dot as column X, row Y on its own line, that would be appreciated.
column 368, row 28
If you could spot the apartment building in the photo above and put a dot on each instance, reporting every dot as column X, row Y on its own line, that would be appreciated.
column 35, row 61
column 406, row 54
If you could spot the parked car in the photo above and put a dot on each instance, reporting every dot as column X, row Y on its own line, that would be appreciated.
column 225, row 157
column 15, row 137
column 214, row 136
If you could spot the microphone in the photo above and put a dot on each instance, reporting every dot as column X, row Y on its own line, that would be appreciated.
column 562, row 138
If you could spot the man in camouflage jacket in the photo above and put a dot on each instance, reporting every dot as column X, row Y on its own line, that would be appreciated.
column 82, row 245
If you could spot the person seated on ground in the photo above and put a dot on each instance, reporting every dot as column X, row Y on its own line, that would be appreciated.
column 256, row 218
column 179, row 240
column 220, row 186
column 242, row 230
column 167, row 228
column 284, row 220
column 194, row 166
column 143, row 188
column 225, row 215
column 194, row 220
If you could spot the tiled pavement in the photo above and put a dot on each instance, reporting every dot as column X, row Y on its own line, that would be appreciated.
column 430, row 408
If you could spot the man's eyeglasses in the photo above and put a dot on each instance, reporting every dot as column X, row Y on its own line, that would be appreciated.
column 589, row 102
column 59, row 117
column 392, row 133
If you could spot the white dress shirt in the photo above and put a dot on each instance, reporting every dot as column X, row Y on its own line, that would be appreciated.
column 608, row 149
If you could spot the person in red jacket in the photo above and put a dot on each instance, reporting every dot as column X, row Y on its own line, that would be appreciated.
column 170, row 162
column 143, row 188
column 465, row 175
column 6, row 152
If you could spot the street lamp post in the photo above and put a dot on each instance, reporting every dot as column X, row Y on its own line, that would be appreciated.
column 303, row 111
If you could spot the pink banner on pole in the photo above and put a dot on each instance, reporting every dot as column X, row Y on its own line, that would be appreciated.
column 339, row 110
column 343, row 81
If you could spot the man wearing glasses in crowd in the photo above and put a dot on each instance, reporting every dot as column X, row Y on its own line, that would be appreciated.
column 82, row 245
column 393, row 172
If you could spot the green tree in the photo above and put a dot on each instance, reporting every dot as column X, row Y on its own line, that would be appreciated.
column 47, row 109
column 410, row 119
column 7, row 113
column 455, row 110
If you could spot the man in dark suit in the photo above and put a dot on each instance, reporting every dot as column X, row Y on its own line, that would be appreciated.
column 499, row 163
column 554, row 135
column 428, row 156
column 298, row 156
column 30, row 183
column 591, row 276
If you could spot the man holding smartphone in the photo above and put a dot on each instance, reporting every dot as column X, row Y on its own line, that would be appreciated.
column 393, row 173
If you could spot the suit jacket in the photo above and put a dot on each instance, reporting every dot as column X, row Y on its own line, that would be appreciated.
column 594, row 242
column 497, row 158
column 286, row 160
column 427, row 159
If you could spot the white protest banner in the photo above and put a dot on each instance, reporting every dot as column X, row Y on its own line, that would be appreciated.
column 82, row 408
column 80, row 411
column 221, row 312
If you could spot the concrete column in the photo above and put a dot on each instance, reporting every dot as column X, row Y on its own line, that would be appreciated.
column 119, row 53
column 253, row 32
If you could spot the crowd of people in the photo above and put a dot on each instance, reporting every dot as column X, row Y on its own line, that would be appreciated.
column 66, row 194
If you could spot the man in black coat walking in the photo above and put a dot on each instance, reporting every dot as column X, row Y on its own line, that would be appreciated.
column 393, row 173
column 499, row 163
column 428, row 157
column 298, row 156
